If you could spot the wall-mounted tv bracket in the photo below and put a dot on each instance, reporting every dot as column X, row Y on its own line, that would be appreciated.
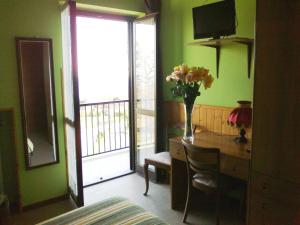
column 217, row 43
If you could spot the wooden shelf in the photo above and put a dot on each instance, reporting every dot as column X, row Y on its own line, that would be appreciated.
column 218, row 43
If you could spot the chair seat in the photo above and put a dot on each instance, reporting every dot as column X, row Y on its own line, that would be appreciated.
column 159, row 158
column 209, row 179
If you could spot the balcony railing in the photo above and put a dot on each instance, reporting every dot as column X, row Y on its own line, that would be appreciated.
column 104, row 127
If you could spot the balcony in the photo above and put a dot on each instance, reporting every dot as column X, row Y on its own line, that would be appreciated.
column 105, row 140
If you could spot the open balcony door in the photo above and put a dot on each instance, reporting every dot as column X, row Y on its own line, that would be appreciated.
column 71, row 102
column 145, row 72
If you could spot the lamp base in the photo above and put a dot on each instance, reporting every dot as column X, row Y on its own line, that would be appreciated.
column 241, row 139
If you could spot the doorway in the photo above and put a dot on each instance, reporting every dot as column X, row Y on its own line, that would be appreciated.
column 104, row 76
column 104, row 64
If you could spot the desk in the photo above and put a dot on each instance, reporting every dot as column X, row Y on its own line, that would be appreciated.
column 235, row 161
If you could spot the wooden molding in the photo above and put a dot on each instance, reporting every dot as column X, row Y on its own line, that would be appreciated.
column 45, row 202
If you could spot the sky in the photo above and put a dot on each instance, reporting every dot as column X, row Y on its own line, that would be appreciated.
column 102, row 59
column 103, row 64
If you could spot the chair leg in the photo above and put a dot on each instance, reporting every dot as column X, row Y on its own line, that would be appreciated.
column 187, row 203
column 146, row 165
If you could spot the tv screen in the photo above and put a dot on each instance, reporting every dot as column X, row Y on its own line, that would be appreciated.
column 214, row 20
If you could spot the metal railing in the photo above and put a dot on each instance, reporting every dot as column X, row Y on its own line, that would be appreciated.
column 104, row 127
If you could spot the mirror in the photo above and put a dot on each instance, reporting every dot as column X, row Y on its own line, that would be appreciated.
column 37, row 98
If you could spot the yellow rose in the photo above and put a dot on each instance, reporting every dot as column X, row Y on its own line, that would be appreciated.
column 178, row 75
column 184, row 69
column 189, row 75
column 176, row 68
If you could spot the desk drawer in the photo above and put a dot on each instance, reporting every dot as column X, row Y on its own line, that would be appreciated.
column 264, row 211
column 176, row 150
column 277, row 189
column 235, row 167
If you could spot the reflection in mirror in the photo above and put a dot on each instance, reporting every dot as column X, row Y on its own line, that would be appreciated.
column 37, row 101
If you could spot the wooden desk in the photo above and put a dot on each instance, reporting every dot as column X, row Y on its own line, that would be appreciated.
column 235, row 161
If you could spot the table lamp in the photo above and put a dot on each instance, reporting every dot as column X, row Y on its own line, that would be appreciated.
column 241, row 117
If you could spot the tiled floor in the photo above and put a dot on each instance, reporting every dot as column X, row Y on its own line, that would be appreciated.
column 43, row 151
column 159, row 201
column 131, row 187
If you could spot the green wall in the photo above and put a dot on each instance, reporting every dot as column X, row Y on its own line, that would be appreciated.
column 35, row 18
column 31, row 19
column 177, row 31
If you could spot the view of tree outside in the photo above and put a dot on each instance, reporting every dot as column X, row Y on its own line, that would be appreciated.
column 145, row 69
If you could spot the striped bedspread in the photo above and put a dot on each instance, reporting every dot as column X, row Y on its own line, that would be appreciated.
column 112, row 211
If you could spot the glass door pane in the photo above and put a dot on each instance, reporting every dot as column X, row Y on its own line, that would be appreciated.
column 145, row 87
column 71, row 102
column 103, row 66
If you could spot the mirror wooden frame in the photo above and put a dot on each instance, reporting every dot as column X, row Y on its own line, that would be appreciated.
column 18, row 41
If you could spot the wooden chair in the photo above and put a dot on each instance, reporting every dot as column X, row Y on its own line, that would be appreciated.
column 160, row 160
column 203, row 171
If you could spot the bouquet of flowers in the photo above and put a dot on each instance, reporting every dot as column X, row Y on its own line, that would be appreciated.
column 189, row 80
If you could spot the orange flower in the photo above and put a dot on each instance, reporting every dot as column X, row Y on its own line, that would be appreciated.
column 189, row 77
column 208, row 80
column 199, row 73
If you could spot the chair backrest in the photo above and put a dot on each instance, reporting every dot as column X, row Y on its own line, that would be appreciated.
column 200, row 158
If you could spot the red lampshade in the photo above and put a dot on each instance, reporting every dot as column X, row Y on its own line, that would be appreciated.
column 241, row 116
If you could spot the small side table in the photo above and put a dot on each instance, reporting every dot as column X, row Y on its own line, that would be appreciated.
column 160, row 160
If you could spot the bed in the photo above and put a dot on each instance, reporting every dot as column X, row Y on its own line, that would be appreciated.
column 111, row 211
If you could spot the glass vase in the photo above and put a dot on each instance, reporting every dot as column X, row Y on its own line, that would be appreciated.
column 188, row 109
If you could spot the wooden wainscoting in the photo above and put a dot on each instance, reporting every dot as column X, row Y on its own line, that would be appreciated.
column 211, row 118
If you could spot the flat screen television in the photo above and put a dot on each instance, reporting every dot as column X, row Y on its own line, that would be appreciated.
column 214, row 20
